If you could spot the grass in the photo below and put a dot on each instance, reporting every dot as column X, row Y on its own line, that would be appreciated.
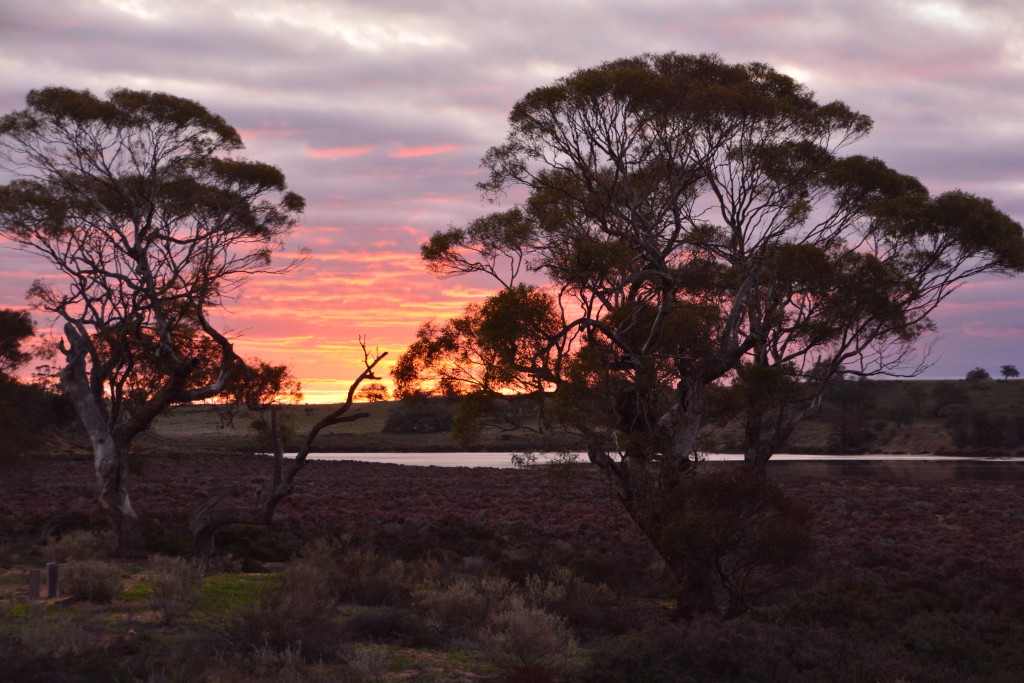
column 221, row 594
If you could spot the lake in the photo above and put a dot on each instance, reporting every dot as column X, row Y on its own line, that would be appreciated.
column 504, row 459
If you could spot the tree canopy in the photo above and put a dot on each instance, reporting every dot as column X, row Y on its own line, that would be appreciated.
column 690, row 239
column 139, row 203
column 16, row 327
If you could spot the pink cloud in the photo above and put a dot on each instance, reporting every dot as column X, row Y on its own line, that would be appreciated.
column 334, row 153
column 271, row 130
column 426, row 151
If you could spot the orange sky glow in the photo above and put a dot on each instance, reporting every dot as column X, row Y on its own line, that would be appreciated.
column 379, row 118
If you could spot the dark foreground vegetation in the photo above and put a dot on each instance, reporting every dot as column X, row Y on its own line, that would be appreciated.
column 385, row 573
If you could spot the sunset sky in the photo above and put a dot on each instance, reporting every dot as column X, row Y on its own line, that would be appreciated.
column 378, row 113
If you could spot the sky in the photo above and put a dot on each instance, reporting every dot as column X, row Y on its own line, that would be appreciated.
column 379, row 112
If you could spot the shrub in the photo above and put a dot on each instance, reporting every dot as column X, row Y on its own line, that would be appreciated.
column 581, row 603
column 175, row 585
column 390, row 624
column 369, row 663
column 82, row 544
column 93, row 580
column 283, row 620
column 355, row 575
column 528, row 643
column 635, row 657
column 733, row 533
column 458, row 608
column 60, row 636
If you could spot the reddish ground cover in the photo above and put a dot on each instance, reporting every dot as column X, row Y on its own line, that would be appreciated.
column 914, row 577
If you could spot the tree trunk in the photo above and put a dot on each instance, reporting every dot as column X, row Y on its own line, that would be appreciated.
column 758, row 455
column 110, row 454
column 111, row 465
column 696, row 579
column 205, row 521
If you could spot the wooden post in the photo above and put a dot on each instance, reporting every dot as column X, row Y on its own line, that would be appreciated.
column 51, row 579
column 33, row 584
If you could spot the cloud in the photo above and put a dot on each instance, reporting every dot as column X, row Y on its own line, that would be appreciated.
column 379, row 114
column 335, row 153
column 425, row 151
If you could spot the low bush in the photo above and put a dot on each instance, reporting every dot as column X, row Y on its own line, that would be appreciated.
column 174, row 587
column 283, row 620
column 354, row 575
column 734, row 536
column 92, row 580
column 390, row 625
column 82, row 544
column 528, row 643
column 458, row 609
column 369, row 663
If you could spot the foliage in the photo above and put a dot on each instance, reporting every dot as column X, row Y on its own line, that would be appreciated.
column 282, row 620
column 529, row 643
column 27, row 411
column 911, row 580
column 92, row 580
column 81, row 544
column 16, row 327
column 175, row 584
column 137, row 202
column 701, row 232
column 373, row 392
column 1009, row 371
column 977, row 375
column 736, row 534
column 703, row 248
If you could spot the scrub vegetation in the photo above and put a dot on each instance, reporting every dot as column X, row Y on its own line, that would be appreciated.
column 383, row 573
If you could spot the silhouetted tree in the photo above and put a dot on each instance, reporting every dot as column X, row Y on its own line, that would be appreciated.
column 1009, row 371
column 374, row 392
column 701, row 233
column 977, row 374
column 136, row 201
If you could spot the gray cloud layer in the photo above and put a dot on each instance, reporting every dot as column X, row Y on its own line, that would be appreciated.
column 349, row 97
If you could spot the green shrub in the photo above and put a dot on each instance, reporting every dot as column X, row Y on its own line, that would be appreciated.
column 528, row 643
column 61, row 635
column 174, row 586
column 369, row 663
column 82, row 544
column 355, row 575
column 92, row 580
column 390, row 624
column 283, row 620
column 458, row 608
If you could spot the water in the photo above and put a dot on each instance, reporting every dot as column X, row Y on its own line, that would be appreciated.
column 504, row 459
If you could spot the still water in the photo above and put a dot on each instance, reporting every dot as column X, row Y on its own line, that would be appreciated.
column 505, row 459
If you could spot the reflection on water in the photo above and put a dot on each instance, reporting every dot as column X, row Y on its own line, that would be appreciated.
column 504, row 459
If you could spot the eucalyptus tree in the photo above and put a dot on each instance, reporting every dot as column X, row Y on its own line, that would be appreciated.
column 689, row 238
column 151, row 223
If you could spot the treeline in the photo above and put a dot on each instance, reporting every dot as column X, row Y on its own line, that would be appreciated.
column 975, row 415
column 28, row 410
column 856, row 416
